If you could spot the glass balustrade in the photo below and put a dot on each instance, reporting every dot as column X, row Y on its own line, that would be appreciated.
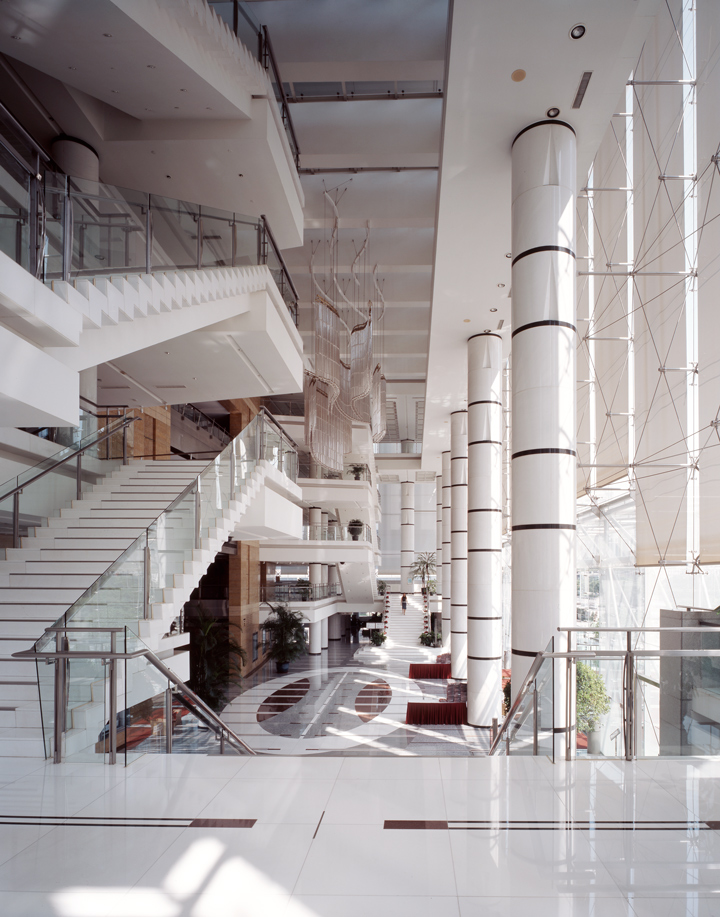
column 337, row 532
column 298, row 592
column 351, row 472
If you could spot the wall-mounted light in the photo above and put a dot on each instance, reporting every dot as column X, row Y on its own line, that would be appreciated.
column 577, row 31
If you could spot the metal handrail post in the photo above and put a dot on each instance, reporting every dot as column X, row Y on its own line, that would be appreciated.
column 78, row 477
column 628, row 700
column 148, row 238
column 494, row 728
column 67, row 220
column 232, row 471
column 112, row 677
column 222, row 742
column 197, row 514
column 199, row 242
column 535, row 721
column 125, row 445
column 59, row 691
column 168, row 720
column 147, row 570
column 16, row 519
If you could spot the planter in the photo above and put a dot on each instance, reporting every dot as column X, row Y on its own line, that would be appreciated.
column 594, row 743
column 282, row 667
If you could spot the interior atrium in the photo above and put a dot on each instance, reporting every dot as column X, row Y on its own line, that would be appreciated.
column 359, row 431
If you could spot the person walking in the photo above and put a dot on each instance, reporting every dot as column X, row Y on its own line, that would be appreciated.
column 403, row 603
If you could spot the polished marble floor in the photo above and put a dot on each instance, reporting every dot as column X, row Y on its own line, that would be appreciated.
column 196, row 836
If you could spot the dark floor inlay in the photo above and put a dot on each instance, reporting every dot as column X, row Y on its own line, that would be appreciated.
column 416, row 825
column 372, row 699
column 282, row 699
column 222, row 822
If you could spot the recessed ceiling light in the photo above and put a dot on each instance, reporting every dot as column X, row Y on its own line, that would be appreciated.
column 151, row 66
column 16, row 38
column 577, row 31
column 168, row 176
column 466, row 319
column 167, row 353
column 107, row 35
column 493, row 310
column 72, row 68
column 183, row 90
column 508, row 254
column 517, row 76
column 116, row 91
column 552, row 112
column 501, row 285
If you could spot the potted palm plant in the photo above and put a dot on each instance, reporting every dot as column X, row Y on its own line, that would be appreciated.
column 286, row 633
column 216, row 658
column 355, row 527
column 357, row 471
column 423, row 568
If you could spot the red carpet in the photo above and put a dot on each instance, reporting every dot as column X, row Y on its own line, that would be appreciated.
column 436, row 714
column 429, row 670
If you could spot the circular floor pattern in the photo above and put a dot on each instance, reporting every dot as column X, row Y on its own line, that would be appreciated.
column 282, row 699
column 372, row 699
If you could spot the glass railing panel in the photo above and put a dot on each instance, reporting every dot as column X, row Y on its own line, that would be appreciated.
column 109, row 228
column 347, row 532
column 142, row 722
column 175, row 234
column 171, row 539
column 14, row 210
column 530, row 731
column 599, row 699
column 217, row 238
column 87, row 734
column 247, row 242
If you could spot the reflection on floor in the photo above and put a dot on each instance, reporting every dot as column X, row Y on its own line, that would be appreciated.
column 195, row 836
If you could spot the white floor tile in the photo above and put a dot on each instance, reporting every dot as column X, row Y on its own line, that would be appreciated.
column 46, row 793
column 690, row 905
column 390, row 769
column 268, row 768
column 371, row 802
column 85, row 858
column 378, row 906
column 567, row 906
column 155, row 797
column 502, row 799
column 186, row 766
column 519, row 768
column 263, row 860
column 528, row 864
column 295, row 801
column 342, row 858
column 630, row 799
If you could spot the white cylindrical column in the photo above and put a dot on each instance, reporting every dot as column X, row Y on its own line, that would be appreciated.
column 543, row 397
column 315, row 520
column 438, row 540
column 324, row 634
column 76, row 158
column 315, row 577
column 324, row 517
column 315, row 638
column 407, row 533
column 335, row 626
column 333, row 576
column 446, row 553
column 484, row 615
column 458, row 543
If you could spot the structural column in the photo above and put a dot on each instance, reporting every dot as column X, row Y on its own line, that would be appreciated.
column 484, row 596
column 315, row 523
column 407, row 533
column 446, row 553
column 543, row 398
column 438, row 540
column 458, row 542
column 325, row 631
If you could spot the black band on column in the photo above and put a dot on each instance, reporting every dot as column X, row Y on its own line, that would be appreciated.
column 539, row 124
column 544, row 452
column 547, row 321
column 543, row 248
column 543, row 525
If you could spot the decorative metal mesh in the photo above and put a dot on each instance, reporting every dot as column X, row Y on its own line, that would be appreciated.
column 323, row 434
column 361, row 375
column 379, row 405
column 327, row 346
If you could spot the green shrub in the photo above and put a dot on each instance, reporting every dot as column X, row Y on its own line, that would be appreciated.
column 592, row 699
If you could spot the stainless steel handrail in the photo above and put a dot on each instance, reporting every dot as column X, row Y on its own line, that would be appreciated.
column 195, row 704
column 527, row 681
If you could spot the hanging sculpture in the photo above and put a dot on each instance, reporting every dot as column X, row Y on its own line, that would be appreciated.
column 324, row 437
column 379, row 405
column 361, row 369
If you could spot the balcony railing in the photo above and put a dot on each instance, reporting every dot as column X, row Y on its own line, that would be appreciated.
column 203, row 422
column 406, row 448
column 352, row 472
column 298, row 592
column 256, row 39
column 337, row 533
column 90, row 228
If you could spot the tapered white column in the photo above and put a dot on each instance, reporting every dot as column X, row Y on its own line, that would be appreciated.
column 315, row 577
column 407, row 533
column 446, row 553
column 438, row 540
column 485, row 421
column 325, row 638
column 333, row 575
column 458, row 542
column 543, row 397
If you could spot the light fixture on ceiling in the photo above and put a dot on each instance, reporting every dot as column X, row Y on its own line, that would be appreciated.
column 493, row 310
column 517, row 76
column 151, row 66
column 116, row 91
column 577, row 31
column 552, row 112
column 107, row 35
column 466, row 319
column 508, row 254
column 486, row 331
column 501, row 286
column 16, row 38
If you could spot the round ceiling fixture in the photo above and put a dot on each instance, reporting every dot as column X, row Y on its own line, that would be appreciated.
column 501, row 286
column 508, row 254
column 517, row 76
column 466, row 319
column 107, row 35
column 493, row 310
column 577, row 31
column 552, row 112
column 486, row 331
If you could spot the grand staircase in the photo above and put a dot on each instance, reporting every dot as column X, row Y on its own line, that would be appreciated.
column 61, row 558
column 403, row 632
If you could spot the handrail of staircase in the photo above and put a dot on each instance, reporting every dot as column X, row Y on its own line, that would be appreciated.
column 15, row 491
column 503, row 731
column 207, row 712
column 268, row 416
column 195, row 704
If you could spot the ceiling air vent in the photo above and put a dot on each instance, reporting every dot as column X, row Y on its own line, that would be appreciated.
column 582, row 89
